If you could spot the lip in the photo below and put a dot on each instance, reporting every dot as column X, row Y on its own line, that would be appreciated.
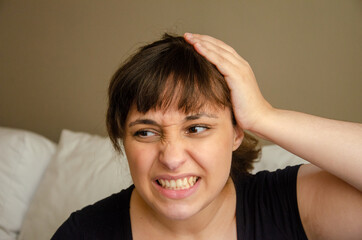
column 176, row 194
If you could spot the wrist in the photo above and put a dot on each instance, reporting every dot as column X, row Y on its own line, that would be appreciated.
column 262, row 120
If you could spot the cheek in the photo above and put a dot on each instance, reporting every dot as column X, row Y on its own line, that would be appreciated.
column 140, row 160
column 214, row 155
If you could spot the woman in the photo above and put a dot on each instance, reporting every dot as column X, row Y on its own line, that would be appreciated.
column 181, row 106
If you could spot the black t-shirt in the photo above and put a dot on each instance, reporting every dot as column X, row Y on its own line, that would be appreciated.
column 266, row 209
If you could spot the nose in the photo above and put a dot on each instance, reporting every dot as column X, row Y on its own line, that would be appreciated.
column 172, row 155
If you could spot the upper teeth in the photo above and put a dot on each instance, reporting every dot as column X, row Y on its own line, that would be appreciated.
column 177, row 184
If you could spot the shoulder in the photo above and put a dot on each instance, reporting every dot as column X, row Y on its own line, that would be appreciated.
column 329, row 207
column 281, row 178
column 104, row 216
column 112, row 205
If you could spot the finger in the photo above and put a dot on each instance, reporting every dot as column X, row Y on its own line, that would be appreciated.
column 198, row 37
column 231, row 56
column 215, row 54
column 194, row 38
column 226, row 63
column 214, row 44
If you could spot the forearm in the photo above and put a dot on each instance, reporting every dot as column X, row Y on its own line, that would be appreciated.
column 334, row 146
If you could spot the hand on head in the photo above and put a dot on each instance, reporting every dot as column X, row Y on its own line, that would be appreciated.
column 248, row 103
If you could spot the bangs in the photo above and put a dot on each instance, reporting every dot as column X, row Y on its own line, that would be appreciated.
column 181, row 77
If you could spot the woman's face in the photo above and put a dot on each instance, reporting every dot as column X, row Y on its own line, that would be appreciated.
column 180, row 162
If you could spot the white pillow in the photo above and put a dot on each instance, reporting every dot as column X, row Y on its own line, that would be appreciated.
column 274, row 157
column 84, row 170
column 23, row 159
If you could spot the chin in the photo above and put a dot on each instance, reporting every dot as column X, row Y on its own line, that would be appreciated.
column 179, row 213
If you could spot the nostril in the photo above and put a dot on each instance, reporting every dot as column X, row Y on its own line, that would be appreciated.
column 172, row 156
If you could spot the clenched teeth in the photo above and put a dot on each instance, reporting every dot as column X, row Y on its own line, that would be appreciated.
column 178, row 184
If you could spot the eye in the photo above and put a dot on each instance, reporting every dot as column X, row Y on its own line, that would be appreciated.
column 144, row 133
column 197, row 129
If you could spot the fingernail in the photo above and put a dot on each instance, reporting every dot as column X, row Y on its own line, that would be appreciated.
column 188, row 35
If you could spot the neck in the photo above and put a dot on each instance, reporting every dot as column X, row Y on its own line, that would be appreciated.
column 220, row 213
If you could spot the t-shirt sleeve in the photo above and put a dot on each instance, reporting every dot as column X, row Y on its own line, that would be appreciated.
column 106, row 219
column 70, row 229
column 271, row 205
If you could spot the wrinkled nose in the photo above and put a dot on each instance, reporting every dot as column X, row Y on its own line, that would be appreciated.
column 172, row 155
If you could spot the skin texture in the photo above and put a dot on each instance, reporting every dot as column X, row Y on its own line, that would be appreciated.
column 329, row 196
column 169, row 143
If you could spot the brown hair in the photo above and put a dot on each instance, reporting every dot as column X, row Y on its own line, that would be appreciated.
column 161, row 70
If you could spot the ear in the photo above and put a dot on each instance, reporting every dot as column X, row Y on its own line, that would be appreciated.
column 238, row 137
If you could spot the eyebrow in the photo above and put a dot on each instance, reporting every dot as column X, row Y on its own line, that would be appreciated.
column 198, row 116
column 143, row 121
column 187, row 118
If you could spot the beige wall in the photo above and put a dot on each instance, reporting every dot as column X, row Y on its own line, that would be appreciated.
column 56, row 57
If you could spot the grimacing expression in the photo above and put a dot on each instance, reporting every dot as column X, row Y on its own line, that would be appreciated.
column 180, row 162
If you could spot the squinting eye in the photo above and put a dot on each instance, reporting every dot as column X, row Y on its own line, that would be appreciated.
column 144, row 133
column 197, row 129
